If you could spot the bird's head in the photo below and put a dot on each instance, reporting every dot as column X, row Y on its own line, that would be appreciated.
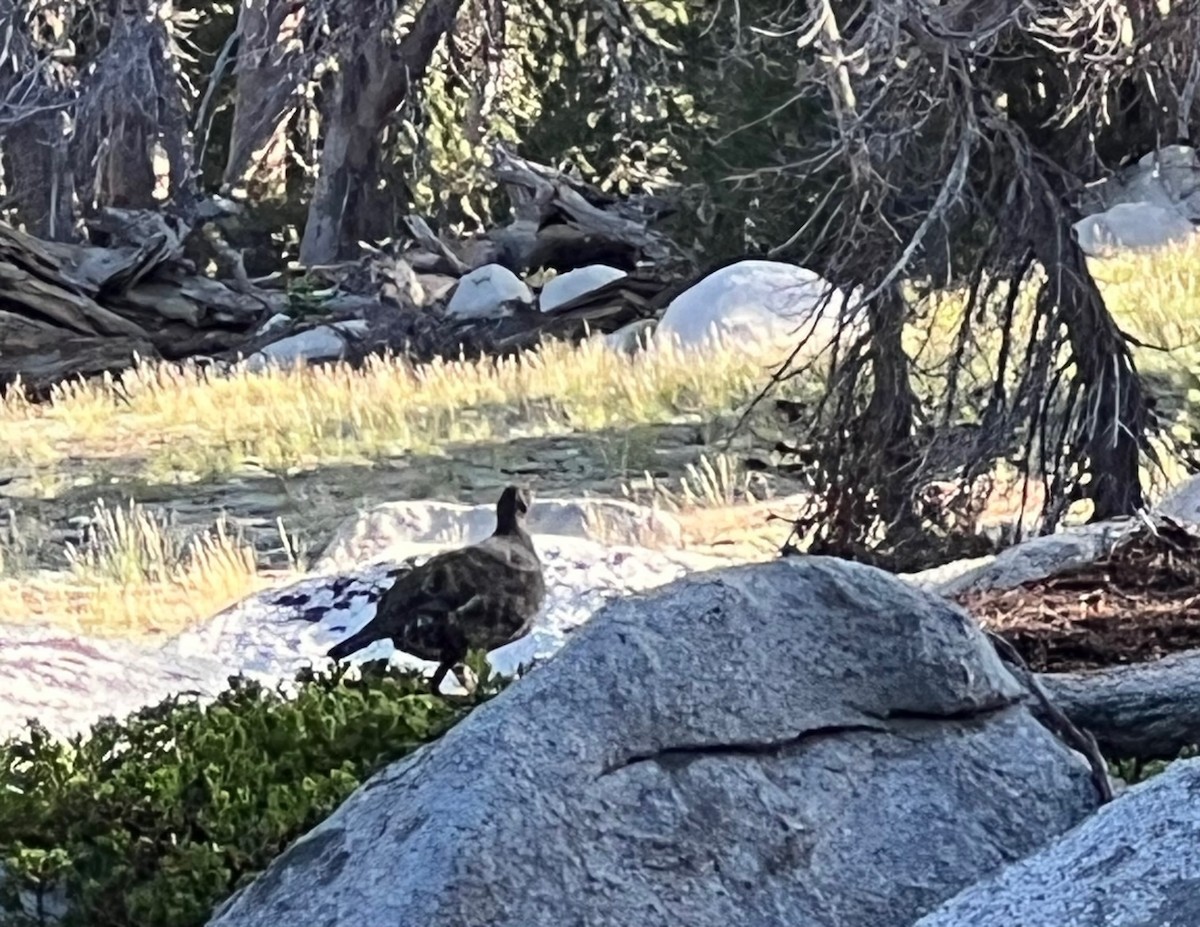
column 513, row 507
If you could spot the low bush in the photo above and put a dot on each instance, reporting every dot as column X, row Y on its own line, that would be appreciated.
column 154, row 820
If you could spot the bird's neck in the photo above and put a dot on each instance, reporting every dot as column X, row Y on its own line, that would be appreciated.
column 515, row 531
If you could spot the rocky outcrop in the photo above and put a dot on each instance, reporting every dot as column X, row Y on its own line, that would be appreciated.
column 807, row 741
column 1136, row 863
column 765, row 307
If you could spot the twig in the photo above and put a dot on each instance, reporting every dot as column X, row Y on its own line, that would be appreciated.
column 1060, row 724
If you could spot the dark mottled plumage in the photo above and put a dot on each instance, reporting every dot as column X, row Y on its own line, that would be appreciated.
column 477, row 597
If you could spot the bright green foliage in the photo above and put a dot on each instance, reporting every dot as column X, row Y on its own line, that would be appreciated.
column 154, row 820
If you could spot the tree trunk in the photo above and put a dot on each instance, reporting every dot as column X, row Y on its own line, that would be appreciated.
column 1145, row 711
column 132, row 107
column 271, row 67
column 373, row 79
column 1110, row 438
column 33, row 137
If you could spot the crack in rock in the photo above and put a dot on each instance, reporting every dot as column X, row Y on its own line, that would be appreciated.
column 680, row 755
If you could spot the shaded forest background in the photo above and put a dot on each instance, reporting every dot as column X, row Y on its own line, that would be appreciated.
column 903, row 147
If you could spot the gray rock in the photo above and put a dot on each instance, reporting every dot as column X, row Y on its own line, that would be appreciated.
column 325, row 342
column 488, row 292
column 1131, row 227
column 1182, row 501
column 1168, row 177
column 1136, row 863
column 1038, row 558
column 631, row 338
column 807, row 741
column 574, row 283
column 369, row 534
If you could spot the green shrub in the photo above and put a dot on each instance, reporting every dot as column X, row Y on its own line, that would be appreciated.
column 154, row 820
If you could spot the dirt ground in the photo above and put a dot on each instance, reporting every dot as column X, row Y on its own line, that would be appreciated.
column 1137, row 604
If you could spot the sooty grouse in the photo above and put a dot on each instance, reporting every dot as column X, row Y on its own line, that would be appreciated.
column 477, row 597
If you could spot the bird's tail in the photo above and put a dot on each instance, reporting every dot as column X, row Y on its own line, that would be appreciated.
column 352, row 643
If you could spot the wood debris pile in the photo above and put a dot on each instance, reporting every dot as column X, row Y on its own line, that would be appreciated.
column 1138, row 603
column 139, row 289
column 69, row 309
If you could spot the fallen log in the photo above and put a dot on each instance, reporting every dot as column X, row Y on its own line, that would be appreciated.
column 60, row 303
column 563, row 223
column 1145, row 711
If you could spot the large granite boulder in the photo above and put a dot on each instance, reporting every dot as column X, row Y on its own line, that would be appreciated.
column 760, row 307
column 803, row 742
column 1134, row 864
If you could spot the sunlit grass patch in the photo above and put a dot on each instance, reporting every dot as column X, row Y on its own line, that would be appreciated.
column 132, row 574
column 184, row 421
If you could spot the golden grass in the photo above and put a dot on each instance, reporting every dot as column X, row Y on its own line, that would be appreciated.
column 134, row 575
column 166, row 423
column 714, row 481
column 182, row 423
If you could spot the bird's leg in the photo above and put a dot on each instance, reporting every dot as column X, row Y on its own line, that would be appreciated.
column 435, row 683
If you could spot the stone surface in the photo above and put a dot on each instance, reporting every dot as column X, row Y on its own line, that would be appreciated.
column 1132, row 226
column 368, row 535
column 807, row 741
column 1169, row 177
column 566, row 287
column 1182, row 501
column 325, row 342
column 760, row 306
column 1039, row 557
column 631, row 338
column 1136, row 863
column 272, row 636
column 488, row 292
column 69, row 681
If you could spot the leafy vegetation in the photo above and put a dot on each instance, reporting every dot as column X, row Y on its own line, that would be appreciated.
column 151, row 821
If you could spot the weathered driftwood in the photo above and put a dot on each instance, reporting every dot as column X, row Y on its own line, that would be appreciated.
column 1142, row 711
column 563, row 222
column 60, row 303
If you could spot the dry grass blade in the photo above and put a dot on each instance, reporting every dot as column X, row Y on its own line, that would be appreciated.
column 133, row 574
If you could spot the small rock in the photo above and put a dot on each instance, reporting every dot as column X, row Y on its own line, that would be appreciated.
column 325, row 342
column 1134, row 863
column 574, row 283
column 488, row 292
column 1132, row 226
column 277, row 321
column 631, row 338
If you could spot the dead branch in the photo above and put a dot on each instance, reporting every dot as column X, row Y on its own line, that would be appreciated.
column 1145, row 711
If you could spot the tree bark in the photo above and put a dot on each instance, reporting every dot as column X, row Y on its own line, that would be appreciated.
column 132, row 105
column 1146, row 711
column 373, row 79
column 272, row 65
column 1110, row 440
column 33, row 136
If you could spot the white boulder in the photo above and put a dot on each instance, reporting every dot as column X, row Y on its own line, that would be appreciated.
column 574, row 283
column 759, row 306
column 488, row 292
